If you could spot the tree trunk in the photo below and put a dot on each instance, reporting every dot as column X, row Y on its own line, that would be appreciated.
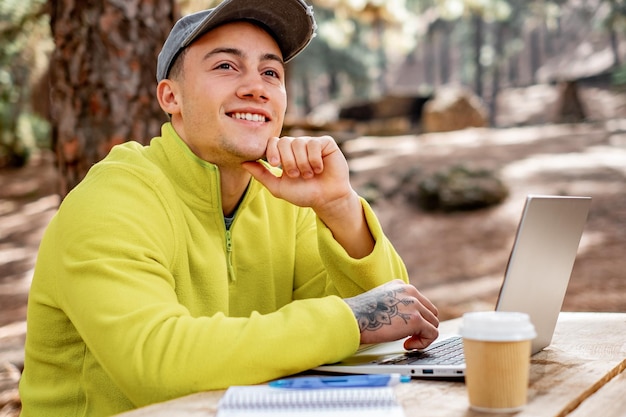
column 102, row 75
column 477, row 23
column 535, row 54
column 445, row 52
column 429, row 60
column 500, row 33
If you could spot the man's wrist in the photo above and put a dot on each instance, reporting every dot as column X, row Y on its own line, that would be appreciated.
column 341, row 212
column 349, row 227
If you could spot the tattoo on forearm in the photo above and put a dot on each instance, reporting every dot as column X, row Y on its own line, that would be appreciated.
column 378, row 310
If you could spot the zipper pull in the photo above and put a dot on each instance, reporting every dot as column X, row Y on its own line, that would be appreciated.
column 229, row 253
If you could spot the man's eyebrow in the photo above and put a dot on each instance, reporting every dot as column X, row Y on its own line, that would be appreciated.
column 230, row 51
column 239, row 53
column 272, row 57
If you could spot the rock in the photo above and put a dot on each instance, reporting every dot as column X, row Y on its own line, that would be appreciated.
column 453, row 108
column 389, row 115
column 460, row 188
column 386, row 107
column 569, row 104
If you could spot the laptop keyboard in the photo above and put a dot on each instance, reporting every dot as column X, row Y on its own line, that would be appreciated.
column 449, row 352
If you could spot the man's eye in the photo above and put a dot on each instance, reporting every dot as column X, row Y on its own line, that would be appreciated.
column 224, row 66
column 272, row 73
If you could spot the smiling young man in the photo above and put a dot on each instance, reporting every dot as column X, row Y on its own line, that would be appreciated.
column 222, row 253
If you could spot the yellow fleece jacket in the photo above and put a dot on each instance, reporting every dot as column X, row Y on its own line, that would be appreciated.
column 140, row 294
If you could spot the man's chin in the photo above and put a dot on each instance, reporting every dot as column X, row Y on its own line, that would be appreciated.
column 256, row 158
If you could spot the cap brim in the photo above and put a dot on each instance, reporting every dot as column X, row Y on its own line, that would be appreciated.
column 290, row 22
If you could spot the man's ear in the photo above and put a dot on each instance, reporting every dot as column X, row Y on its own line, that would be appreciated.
column 167, row 94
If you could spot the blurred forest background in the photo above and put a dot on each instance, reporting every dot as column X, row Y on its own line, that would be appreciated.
column 94, row 87
column 449, row 112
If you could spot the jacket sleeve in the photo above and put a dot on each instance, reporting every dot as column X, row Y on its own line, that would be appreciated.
column 349, row 276
column 115, row 285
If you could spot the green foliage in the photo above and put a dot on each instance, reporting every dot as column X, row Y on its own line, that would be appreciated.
column 619, row 76
column 22, row 23
column 326, row 55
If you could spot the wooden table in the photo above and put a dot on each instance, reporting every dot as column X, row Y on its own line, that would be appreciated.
column 580, row 374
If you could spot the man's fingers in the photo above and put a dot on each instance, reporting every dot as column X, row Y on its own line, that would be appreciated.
column 422, row 339
column 262, row 174
column 288, row 157
column 301, row 156
column 427, row 303
column 300, row 151
column 427, row 313
column 315, row 157
column 271, row 152
column 424, row 306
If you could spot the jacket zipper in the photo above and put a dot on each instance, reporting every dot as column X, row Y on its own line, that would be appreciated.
column 229, row 244
column 229, row 257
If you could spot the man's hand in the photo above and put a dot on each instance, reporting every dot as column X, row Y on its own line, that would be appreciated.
column 395, row 310
column 316, row 175
column 315, row 172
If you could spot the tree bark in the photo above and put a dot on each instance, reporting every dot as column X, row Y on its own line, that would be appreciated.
column 102, row 75
column 445, row 52
column 499, row 38
column 613, row 25
column 477, row 23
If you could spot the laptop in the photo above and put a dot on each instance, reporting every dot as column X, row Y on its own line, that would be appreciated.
column 536, row 278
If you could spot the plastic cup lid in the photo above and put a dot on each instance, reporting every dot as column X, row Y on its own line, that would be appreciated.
column 497, row 326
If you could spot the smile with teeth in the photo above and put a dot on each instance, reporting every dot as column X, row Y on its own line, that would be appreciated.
column 249, row 116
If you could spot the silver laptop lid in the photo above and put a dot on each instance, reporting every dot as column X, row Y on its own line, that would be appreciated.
column 542, row 259
column 535, row 282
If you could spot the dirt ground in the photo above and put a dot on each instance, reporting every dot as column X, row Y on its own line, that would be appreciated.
column 457, row 260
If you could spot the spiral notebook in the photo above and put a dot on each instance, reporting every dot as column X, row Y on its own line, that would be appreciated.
column 266, row 401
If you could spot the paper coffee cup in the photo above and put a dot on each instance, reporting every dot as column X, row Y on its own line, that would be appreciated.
column 497, row 356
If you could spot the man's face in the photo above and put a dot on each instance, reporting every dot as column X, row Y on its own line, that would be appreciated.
column 231, row 95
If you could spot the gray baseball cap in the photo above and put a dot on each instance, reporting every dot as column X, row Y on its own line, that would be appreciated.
column 290, row 22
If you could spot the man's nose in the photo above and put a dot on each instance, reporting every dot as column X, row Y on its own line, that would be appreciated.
column 253, row 86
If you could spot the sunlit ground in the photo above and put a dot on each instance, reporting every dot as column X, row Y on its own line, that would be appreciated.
column 460, row 259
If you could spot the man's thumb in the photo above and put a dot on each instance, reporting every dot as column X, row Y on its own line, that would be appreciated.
column 262, row 174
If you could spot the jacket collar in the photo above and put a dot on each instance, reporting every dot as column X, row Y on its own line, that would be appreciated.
column 196, row 180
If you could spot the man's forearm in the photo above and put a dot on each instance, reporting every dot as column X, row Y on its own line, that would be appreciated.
column 346, row 220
